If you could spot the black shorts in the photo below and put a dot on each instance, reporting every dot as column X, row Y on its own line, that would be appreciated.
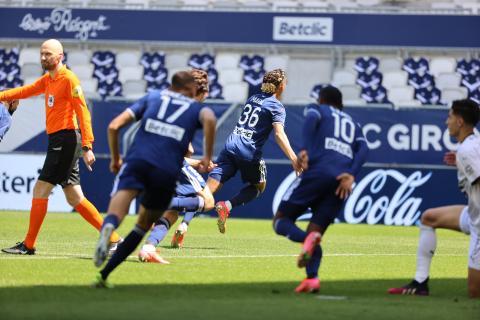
column 61, row 164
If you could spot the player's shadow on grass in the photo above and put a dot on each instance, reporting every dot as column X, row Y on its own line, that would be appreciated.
column 353, row 299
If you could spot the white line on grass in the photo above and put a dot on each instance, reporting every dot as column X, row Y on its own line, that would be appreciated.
column 53, row 256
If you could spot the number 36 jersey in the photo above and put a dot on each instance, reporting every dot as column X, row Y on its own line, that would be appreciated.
column 259, row 114
column 168, row 123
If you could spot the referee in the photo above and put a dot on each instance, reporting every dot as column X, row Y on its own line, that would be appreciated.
column 64, row 103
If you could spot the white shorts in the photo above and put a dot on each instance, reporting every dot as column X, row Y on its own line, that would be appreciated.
column 474, row 249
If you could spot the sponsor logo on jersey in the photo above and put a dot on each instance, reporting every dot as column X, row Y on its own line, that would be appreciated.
column 164, row 129
column 248, row 134
column 340, row 147
column 303, row 29
column 77, row 92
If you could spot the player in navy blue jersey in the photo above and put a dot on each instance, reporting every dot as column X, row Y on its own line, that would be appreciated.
column 153, row 162
column 243, row 148
column 334, row 149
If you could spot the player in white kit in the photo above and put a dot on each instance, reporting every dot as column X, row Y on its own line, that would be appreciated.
column 462, row 119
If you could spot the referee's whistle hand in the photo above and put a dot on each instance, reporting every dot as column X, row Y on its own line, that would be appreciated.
column 89, row 159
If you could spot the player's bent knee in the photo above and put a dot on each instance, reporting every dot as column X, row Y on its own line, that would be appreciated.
column 429, row 218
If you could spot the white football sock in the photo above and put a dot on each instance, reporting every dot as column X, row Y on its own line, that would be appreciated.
column 229, row 205
column 427, row 244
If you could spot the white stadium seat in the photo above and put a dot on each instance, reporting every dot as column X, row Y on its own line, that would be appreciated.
column 236, row 92
column 78, row 57
column 390, row 64
column 134, row 89
column 400, row 95
column 31, row 69
column 450, row 94
column 29, row 55
column 130, row 73
column 82, row 71
column 448, row 80
column 176, row 60
column 275, row 62
column 442, row 65
column 343, row 77
column 227, row 60
column 393, row 79
column 128, row 58
column 350, row 92
column 227, row 76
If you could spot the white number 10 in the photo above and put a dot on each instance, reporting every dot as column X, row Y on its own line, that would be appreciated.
column 344, row 127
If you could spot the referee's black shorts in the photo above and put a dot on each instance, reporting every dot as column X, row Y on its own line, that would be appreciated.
column 61, row 163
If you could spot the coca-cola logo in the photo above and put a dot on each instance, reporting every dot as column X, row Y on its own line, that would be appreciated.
column 62, row 19
column 372, row 202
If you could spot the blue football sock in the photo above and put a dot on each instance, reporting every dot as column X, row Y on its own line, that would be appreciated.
column 159, row 231
column 286, row 227
column 245, row 195
column 185, row 204
column 188, row 217
column 314, row 264
column 124, row 250
column 112, row 219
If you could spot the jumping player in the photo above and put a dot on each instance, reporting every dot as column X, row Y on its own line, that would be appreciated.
column 334, row 150
column 462, row 119
column 153, row 163
column 243, row 148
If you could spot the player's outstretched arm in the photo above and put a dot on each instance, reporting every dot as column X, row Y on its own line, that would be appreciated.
column 23, row 92
column 209, row 122
column 114, row 127
column 284, row 144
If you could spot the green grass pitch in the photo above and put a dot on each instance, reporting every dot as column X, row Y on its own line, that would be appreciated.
column 248, row 273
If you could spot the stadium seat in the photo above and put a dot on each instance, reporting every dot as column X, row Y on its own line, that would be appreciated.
column 450, row 94
column 176, row 60
column 227, row 60
column 369, row 3
column 228, row 76
column 401, row 95
column 236, row 92
column 276, row 61
column 82, row 71
column 130, row 73
column 314, row 4
column 29, row 55
column 393, row 79
column 31, row 69
column 343, row 77
column 350, row 92
column 128, row 58
column 448, row 80
column 79, row 57
column 390, row 64
column 442, row 65
column 134, row 89
column 288, row 5
column 30, row 80
column 137, row 4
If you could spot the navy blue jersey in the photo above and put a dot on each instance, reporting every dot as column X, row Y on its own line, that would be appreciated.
column 334, row 142
column 375, row 95
column 421, row 81
column 169, row 121
column 428, row 96
column 416, row 65
column 366, row 64
column 366, row 80
column 259, row 114
column 103, row 59
column 471, row 82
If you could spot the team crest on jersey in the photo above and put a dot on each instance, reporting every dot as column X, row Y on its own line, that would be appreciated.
column 51, row 100
column 77, row 92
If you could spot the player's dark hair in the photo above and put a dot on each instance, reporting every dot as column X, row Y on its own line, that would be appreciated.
column 182, row 79
column 271, row 80
column 201, row 79
column 468, row 110
column 332, row 96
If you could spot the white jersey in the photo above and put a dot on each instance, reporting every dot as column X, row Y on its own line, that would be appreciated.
column 468, row 164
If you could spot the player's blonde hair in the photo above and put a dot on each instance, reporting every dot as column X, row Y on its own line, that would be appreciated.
column 201, row 80
column 271, row 80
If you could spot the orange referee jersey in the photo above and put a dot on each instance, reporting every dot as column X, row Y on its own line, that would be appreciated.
column 64, row 102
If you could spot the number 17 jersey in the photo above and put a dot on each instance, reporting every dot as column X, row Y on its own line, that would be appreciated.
column 259, row 114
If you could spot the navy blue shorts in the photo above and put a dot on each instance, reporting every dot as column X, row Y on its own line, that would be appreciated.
column 316, row 193
column 156, row 185
column 190, row 182
column 252, row 172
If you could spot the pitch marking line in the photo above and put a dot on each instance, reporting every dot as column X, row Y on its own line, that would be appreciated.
column 54, row 256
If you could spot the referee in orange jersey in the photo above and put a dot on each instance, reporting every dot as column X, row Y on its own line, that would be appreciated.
column 64, row 103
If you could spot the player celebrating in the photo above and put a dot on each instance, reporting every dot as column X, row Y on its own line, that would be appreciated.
column 6, row 117
column 243, row 148
column 462, row 119
column 334, row 150
column 153, row 163
column 64, row 102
